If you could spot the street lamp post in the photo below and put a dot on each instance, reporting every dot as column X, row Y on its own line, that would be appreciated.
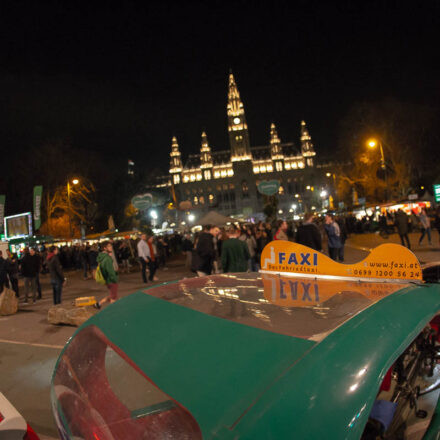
column 373, row 143
column 74, row 182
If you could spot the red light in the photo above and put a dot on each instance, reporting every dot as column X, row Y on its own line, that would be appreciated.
column 94, row 435
column 1, row 417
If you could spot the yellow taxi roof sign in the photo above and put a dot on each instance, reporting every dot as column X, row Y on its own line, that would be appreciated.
column 385, row 262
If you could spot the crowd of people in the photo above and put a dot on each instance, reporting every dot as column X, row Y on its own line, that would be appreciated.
column 55, row 261
column 236, row 248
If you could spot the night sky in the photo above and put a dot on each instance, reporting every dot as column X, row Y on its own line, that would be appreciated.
column 123, row 78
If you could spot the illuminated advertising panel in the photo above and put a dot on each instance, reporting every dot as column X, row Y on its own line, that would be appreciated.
column 18, row 226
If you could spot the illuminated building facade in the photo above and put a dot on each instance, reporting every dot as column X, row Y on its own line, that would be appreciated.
column 227, row 180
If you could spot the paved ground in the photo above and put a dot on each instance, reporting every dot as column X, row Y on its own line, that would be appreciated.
column 425, row 253
column 29, row 346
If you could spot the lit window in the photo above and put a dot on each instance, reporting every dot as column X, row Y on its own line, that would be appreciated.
column 263, row 168
column 295, row 165
column 196, row 200
column 211, row 198
column 193, row 177
column 230, row 172
column 269, row 168
column 202, row 200
column 216, row 174
column 279, row 166
column 199, row 176
column 256, row 170
column 176, row 178
column 300, row 164
column 223, row 173
column 185, row 178
column 287, row 166
column 281, row 190
column 207, row 174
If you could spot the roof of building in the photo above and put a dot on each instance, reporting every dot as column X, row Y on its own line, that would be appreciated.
column 224, row 156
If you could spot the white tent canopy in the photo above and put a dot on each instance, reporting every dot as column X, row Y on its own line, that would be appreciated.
column 215, row 219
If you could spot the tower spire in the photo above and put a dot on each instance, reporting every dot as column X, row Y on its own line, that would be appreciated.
column 237, row 127
column 275, row 143
column 205, row 153
column 175, row 161
column 307, row 149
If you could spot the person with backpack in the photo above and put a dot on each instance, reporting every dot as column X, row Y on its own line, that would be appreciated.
column 107, row 271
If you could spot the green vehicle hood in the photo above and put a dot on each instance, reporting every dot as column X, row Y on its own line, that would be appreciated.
column 213, row 367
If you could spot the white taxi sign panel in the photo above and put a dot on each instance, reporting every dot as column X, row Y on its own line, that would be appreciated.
column 385, row 262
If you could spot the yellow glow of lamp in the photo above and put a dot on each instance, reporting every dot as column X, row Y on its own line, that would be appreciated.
column 372, row 143
column 75, row 181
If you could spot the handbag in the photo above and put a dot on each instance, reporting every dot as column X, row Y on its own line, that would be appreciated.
column 99, row 278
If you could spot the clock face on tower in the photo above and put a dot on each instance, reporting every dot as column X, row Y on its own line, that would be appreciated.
column 236, row 120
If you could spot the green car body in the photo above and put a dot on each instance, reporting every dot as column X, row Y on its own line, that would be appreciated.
column 243, row 382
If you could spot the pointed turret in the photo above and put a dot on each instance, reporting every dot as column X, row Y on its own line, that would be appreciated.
column 275, row 144
column 237, row 127
column 175, row 161
column 307, row 150
column 205, row 153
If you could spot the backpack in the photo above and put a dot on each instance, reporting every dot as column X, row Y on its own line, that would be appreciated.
column 99, row 278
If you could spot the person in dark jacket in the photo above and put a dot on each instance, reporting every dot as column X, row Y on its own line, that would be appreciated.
column 235, row 253
column 56, row 274
column 334, row 236
column 402, row 225
column 308, row 233
column 3, row 273
column 187, row 247
column 12, row 270
column 30, row 266
column 205, row 250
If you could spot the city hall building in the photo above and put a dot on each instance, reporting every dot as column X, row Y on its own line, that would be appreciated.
column 227, row 180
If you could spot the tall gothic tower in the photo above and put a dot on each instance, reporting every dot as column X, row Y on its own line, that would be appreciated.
column 307, row 150
column 206, row 163
column 237, row 127
column 175, row 161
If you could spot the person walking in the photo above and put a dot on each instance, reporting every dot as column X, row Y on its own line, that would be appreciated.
column 281, row 233
column 334, row 236
column 3, row 273
column 57, row 279
column 205, row 250
column 235, row 252
column 426, row 226
column 105, row 262
column 402, row 225
column 187, row 248
column 143, row 255
column 30, row 266
column 152, row 260
column 251, row 243
column 308, row 233
column 12, row 270
column 437, row 222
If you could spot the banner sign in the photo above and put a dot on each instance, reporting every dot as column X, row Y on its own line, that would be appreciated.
column 387, row 262
column 38, row 193
column 2, row 211
column 437, row 193
column 142, row 201
column 268, row 187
